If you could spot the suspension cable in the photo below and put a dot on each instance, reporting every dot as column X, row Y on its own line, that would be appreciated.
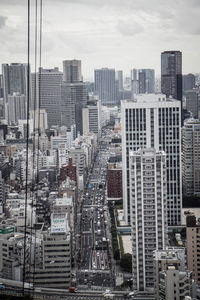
column 27, row 144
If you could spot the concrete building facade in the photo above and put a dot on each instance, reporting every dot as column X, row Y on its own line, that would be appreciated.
column 148, row 213
column 154, row 121
column 105, row 86
column 191, row 156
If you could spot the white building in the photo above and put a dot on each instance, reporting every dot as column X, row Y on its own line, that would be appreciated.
column 91, row 122
column 152, row 120
column 148, row 213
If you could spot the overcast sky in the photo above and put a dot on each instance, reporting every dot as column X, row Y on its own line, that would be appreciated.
column 122, row 34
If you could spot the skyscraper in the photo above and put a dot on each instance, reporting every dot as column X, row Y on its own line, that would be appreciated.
column 153, row 121
column 188, row 82
column 73, row 95
column 119, row 78
column 16, row 108
column 171, row 74
column 142, row 81
column 191, row 156
column 14, row 79
column 72, row 71
column 105, row 86
column 193, row 102
column 48, row 85
column 148, row 212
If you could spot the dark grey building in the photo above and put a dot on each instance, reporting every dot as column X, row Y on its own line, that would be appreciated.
column 14, row 80
column 47, row 84
column 188, row 82
column 171, row 74
column 105, row 86
column 73, row 95
column 193, row 102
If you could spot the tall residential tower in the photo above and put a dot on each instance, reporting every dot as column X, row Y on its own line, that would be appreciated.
column 152, row 120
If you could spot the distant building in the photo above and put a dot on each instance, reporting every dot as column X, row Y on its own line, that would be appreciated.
column 119, row 78
column 73, row 95
column 191, row 156
column 91, row 118
column 148, row 200
column 114, row 181
column 46, row 86
column 105, row 86
column 188, row 82
column 193, row 102
column 142, row 81
column 16, row 108
column 14, row 79
column 72, row 71
column 171, row 74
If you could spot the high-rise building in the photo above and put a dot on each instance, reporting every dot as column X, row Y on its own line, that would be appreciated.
column 73, row 95
column 152, row 120
column 14, row 79
column 119, row 78
column 105, row 85
column 46, row 87
column 142, row 81
column 193, row 102
column 72, row 71
column 15, row 108
column 171, row 74
column 188, row 82
column 191, row 156
column 148, row 213
column 146, row 80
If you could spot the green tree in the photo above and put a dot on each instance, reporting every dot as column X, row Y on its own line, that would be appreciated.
column 126, row 262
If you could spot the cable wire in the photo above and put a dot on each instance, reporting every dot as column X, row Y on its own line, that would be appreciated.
column 27, row 144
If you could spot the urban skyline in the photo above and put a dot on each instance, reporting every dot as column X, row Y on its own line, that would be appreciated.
column 135, row 41
column 100, row 176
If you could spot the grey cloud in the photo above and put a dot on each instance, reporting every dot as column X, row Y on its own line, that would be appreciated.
column 129, row 27
column 2, row 21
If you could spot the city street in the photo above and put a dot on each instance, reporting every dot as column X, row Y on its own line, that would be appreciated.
column 95, row 263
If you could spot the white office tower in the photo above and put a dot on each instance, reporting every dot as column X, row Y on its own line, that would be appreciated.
column 46, row 88
column 172, row 279
column 152, row 120
column 105, row 86
column 148, row 213
column 191, row 156
column 16, row 108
